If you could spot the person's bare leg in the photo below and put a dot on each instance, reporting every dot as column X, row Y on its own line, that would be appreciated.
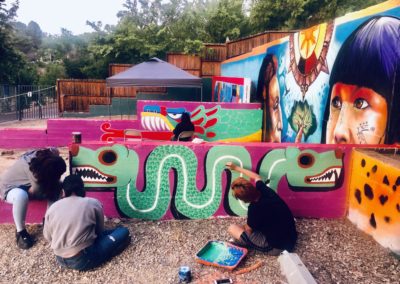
column 235, row 231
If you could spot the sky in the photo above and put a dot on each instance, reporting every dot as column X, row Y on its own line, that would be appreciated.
column 52, row 15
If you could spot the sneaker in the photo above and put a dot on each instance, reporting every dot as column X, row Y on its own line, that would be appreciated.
column 24, row 240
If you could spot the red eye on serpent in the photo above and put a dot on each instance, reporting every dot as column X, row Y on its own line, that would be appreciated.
column 108, row 157
column 305, row 160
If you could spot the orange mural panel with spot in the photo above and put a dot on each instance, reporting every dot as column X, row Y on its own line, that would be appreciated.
column 374, row 195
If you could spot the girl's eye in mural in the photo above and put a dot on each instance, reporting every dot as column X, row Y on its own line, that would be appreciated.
column 361, row 103
column 276, row 104
column 107, row 157
column 175, row 116
column 336, row 102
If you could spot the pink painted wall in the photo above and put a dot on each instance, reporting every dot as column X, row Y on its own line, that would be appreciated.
column 327, row 201
column 213, row 122
column 11, row 138
column 191, row 106
column 37, row 209
column 59, row 131
column 324, row 202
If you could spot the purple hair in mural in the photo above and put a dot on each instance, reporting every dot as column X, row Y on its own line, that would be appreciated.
column 365, row 86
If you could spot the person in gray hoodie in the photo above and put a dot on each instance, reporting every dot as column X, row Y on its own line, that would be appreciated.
column 35, row 175
column 74, row 226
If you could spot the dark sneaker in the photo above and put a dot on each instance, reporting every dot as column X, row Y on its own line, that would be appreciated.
column 24, row 240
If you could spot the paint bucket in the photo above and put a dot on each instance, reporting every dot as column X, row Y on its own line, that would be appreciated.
column 184, row 274
column 76, row 137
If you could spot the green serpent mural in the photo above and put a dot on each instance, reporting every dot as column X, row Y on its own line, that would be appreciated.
column 305, row 170
column 117, row 166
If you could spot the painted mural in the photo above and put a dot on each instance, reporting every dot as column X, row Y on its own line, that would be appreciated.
column 374, row 201
column 232, row 90
column 337, row 82
column 213, row 121
column 181, row 181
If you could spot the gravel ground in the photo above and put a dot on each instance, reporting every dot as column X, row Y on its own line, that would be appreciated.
column 334, row 251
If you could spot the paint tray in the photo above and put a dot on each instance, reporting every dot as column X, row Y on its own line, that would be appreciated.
column 221, row 254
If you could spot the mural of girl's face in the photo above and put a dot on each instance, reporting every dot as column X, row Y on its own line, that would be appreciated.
column 275, row 111
column 358, row 115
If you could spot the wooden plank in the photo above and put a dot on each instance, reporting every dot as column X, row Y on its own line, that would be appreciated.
column 211, row 69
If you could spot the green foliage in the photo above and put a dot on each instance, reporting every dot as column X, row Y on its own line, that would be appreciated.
column 51, row 74
column 300, row 14
column 227, row 21
column 148, row 28
column 27, row 39
column 35, row 33
column 11, row 59
column 28, row 75
column 302, row 115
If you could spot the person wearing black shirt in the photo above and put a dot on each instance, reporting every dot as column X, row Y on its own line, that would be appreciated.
column 185, row 125
column 270, row 224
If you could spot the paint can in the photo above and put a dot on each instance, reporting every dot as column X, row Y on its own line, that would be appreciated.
column 76, row 137
column 184, row 274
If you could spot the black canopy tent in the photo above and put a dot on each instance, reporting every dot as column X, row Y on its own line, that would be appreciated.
column 155, row 73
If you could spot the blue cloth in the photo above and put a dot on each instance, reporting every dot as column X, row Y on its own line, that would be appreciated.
column 106, row 246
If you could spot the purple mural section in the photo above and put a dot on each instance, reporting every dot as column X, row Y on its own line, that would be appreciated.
column 165, row 180
column 165, row 176
column 213, row 121
column 174, row 180
column 59, row 132
column 37, row 209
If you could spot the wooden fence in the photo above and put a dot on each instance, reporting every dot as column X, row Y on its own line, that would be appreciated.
column 208, row 63
column 116, row 68
column 214, row 52
column 78, row 95
column 189, row 63
column 244, row 45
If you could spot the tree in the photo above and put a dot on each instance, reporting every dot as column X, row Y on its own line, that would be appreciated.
column 11, row 60
column 35, row 33
column 227, row 21
column 299, row 14
column 52, row 73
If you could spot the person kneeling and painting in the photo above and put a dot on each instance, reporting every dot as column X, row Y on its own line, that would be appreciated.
column 74, row 226
column 35, row 175
column 270, row 224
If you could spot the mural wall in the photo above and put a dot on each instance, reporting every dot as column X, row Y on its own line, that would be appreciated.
column 374, row 196
column 156, row 119
column 185, row 180
column 230, row 89
column 337, row 82
column 213, row 121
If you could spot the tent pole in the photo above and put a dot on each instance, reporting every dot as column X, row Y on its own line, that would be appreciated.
column 201, row 93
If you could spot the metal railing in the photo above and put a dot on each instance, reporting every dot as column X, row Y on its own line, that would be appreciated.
column 27, row 102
